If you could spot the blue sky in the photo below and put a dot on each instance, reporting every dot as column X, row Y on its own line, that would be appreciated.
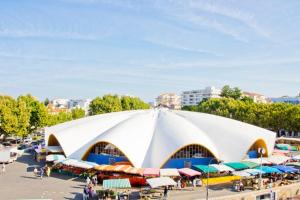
column 87, row 48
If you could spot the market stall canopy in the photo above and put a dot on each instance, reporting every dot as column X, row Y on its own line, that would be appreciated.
column 237, row 165
column 296, row 164
column 297, row 157
column 121, row 168
column 222, row 168
column 250, row 164
column 79, row 163
column 278, row 159
column 55, row 157
column 269, row 170
column 258, row 161
column 161, row 181
column 101, row 167
column 205, row 168
column 241, row 174
column 151, row 172
column 134, row 170
column 189, row 172
column 54, row 149
column 254, row 171
column 170, row 172
column 116, row 183
column 285, row 169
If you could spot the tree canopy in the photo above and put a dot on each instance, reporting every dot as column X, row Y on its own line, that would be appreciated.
column 273, row 116
column 113, row 103
column 229, row 92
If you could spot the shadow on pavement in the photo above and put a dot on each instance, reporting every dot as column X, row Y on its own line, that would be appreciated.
column 30, row 177
column 78, row 196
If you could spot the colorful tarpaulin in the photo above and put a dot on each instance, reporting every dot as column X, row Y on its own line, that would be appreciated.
column 151, row 172
column 250, row 164
column 296, row 157
column 161, row 181
column 269, row 170
column 55, row 157
column 116, row 183
column 170, row 172
column 205, row 168
column 254, row 171
column 134, row 170
column 222, row 168
column 189, row 172
column 236, row 165
column 285, row 169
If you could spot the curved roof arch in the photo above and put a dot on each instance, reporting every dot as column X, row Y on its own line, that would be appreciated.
column 149, row 137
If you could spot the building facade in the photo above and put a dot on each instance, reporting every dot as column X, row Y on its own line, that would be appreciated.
column 257, row 98
column 286, row 99
column 80, row 103
column 170, row 100
column 194, row 97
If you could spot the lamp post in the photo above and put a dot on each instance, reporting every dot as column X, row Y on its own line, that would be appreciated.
column 261, row 151
column 218, row 161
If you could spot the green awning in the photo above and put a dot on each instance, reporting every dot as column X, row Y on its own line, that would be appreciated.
column 297, row 164
column 116, row 183
column 250, row 164
column 237, row 165
column 205, row 168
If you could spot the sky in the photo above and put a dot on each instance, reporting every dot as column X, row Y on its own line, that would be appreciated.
column 88, row 48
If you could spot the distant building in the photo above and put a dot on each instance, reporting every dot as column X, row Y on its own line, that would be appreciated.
column 80, row 103
column 194, row 97
column 54, row 110
column 170, row 100
column 257, row 98
column 287, row 99
column 60, row 103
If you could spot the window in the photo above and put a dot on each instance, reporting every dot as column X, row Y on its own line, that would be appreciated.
column 192, row 151
column 106, row 148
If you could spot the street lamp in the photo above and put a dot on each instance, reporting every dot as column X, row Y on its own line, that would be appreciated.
column 261, row 151
column 218, row 161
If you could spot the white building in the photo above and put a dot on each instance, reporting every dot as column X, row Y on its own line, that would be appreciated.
column 170, row 100
column 257, row 98
column 60, row 103
column 150, row 138
column 194, row 97
column 80, row 103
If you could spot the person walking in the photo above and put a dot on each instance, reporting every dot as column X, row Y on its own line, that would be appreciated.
column 85, row 194
column 42, row 172
column 48, row 171
column 3, row 168
column 165, row 192
column 35, row 171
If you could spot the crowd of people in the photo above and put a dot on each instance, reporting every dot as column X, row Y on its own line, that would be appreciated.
column 89, row 191
column 43, row 170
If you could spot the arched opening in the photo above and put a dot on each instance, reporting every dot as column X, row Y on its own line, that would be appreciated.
column 193, row 154
column 54, row 146
column 105, row 153
column 253, row 150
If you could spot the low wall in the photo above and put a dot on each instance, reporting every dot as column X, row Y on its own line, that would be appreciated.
column 281, row 193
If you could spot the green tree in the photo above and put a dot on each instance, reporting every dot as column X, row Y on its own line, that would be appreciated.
column 77, row 113
column 38, row 112
column 229, row 92
column 46, row 102
column 8, row 117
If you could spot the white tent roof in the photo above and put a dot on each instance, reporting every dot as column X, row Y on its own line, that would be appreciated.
column 149, row 137
column 277, row 159
column 222, row 168
column 161, row 181
column 169, row 172
column 258, row 160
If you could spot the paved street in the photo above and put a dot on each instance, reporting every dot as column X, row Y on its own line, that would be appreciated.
column 19, row 182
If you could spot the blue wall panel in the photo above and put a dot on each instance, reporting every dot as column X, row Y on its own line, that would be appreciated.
column 104, row 159
column 180, row 162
